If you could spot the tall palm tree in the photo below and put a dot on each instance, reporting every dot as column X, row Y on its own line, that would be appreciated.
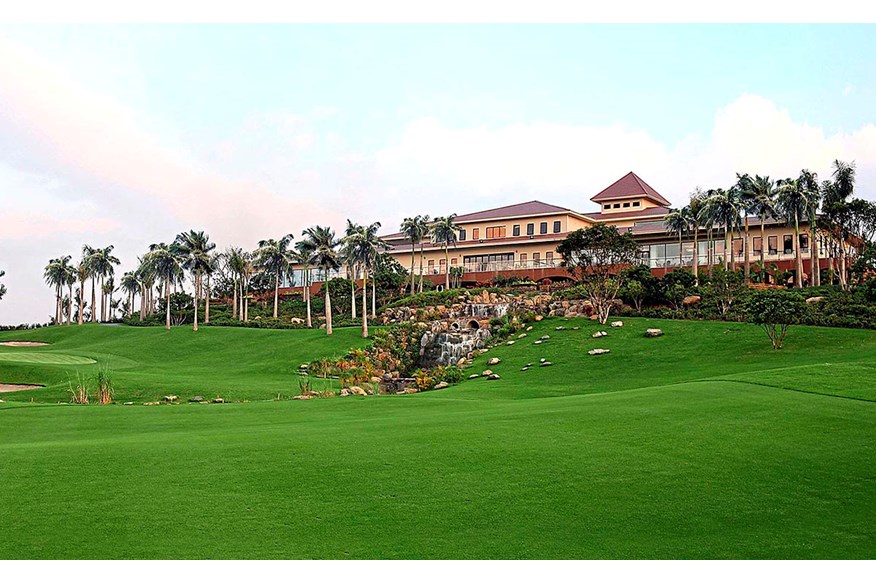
column 89, row 260
column 165, row 262
column 69, row 280
column 365, row 246
column 695, row 218
column 321, row 246
column 791, row 203
column 302, row 258
column 351, row 260
column 748, row 203
column 423, row 222
column 55, row 274
column 837, row 193
column 445, row 233
column 101, row 262
column 416, row 231
column 193, row 248
column 2, row 286
column 131, row 285
column 214, row 264
column 235, row 260
column 763, row 205
column 146, row 275
column 107, row 289
column 812, row 192
column 677, row 223
column 722, row 208
column 274, row 256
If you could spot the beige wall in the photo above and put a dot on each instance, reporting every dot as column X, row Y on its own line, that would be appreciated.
column 630, row 205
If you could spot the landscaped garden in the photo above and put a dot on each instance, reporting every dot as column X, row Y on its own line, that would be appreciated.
column 702, row 442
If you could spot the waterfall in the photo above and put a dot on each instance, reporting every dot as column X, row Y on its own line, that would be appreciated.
column 496, row 310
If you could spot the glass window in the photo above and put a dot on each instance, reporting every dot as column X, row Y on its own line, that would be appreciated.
column 495, row 232
column 672, row 253
column 515, row 230
column 523, row 257
column 557, row 226
column 462, row 235
column 737, row 247
column 476, row 233
column 617, row 205
column 804, row 242
column 787, row 244
column 543, row 227
column 607, row 206
column 453, row 262
column 636, row 203
column 757, row 246
column 549, row 256
column 626, row 205
column 442, row 262
column 530, row 229
column 536, row 256
column 773, row 244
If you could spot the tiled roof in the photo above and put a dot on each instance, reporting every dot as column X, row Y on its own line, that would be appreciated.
column 528, row 208
column 630, row 185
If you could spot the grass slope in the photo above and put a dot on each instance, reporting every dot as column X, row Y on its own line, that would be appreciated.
column 686, row 446
column 149, row 362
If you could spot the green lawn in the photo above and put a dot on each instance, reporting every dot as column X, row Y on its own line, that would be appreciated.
column 703, row 443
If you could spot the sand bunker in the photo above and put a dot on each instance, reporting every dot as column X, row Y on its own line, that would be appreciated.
column 23, row 344
column 8, row 387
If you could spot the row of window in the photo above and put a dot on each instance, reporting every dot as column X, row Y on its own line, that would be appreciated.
column 474, row 261
column 499, row 231
column 625, row 205
column 672, row 254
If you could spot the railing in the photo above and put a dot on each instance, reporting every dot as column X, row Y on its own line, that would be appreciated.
column 718, row 258
column 506, row 266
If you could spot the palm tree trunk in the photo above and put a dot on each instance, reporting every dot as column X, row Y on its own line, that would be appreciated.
column 57, row 304
column 143, row 294
column 696, row 256
column 365, row 304
column 421, row 267
column 234, row 286
column 70, row 304
column 93, row 300
column 328, row 308
column 307, row 296
column 167, row 305
column 815, row 268
column 245, row 299
column 798, row 281
column 373, row 295
column 276, row 292
column 728, row 253
column 197, row 295
column 353, row 275
column 81, row 300
column 413, row 257
column 747, row 259
column 102, row 298
column 207, row 303
column 446, row 267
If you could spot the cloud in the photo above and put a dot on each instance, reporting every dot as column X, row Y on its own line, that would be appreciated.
column 847, row 90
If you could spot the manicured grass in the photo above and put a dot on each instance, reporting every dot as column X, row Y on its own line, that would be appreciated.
column 149, row 362
column 703, row 443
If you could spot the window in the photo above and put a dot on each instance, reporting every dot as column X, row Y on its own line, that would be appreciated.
column 486, row 262
column 787, row 244
column 494, row 232
column 431, row 265
column 476, row 233
column 773, row 244
column 462, row 235
column 557, row 226
column 549, row 256
column 636, row 203
column 737, row 247
column 542, row 228
column 442, row 262
column 617, row 205
column 757, row 246
column 626, row 205
column 454, row 261
column 535, row 257
column 530, row 229
column 515, row 230
column 607, row 206
column 523, row 257
column 804, row 242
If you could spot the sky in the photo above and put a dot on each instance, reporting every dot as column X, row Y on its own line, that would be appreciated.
column 128, row 135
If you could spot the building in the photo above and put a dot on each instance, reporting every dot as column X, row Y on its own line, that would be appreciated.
column 521, row 240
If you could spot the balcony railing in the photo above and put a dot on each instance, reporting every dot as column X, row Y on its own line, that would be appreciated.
column 501, row 266
column 718, row 258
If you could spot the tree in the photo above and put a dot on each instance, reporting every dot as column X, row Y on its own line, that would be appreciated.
column 2, row 286
column 634, row 293
column 416, row 229
column 836, row 194
column 445, row 233
column 596, row 257
column 775, row 311
column 677, row 223
column 423, row 221
column 164, row 260
column 349, row 255
column 193, row 248
column 55, row 275
column 302, row 257
column 723, row 288
column 70, row 274
column 131, row 286
column 812, row 192
column 676, row 285
column 722, row 208
column 102, row 262
column 321, row 246
column 791, row 203
column 695, row 218
column 365, row 247
column 274, row 257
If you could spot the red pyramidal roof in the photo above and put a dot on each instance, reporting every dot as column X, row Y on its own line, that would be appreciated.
column 628, row 186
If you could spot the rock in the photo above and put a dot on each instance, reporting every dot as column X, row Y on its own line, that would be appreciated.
column 296, row 320
column 151, row 403
column 560, row 328
column 524, row 369
column 529, row 328
column 545, row 364
column 461, row 362
column 509, row 343
column 411, row 390
column 542, row 360
column 537, row 343
column 473, row 376
column 521, row 335
column 486, row 372
column 814, row 299
column 653, row 332
column 321, row 327
column 356, row 390
column 545, row 337
column 598, row 351
column 538, row 318
column 494, row 361
column 128, row 403
column 593, row 317
column 218, row 400
column 442, row 385
column 369, row 391
column 304, row 366
column 617, row 324
column 575, row 328
column 374, row 380
column 302, row 396
column 598, row 334
column 344, row 392
column 494, row 376
column 197, row 399
column 171, row 398
column 529, row 364
column 691, row 300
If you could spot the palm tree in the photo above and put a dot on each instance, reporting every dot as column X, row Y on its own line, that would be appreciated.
column 837, row 193
column 748, row 203
column 274, row 256
column 351, row 259
column 213, row 265
column 320, row 245
column 164, row 261
column 677, row 223
column 302, row 258
column 89, row 259
column 146, row 275
column 695, row 217
column 54, row 274
column 2, row 286
column 763, row 205
column 812, row 192
column 131, row 285
column 364, row 247
column 416, row 231
column 194, row 250
column 107, row 289
column 722, row 208
column 423, row 223
column 445, row 233
column 791, row 203
column 235, row 260
column 69, row 279
column 100, row 262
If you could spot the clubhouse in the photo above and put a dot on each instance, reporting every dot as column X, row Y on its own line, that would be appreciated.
column 521, row 240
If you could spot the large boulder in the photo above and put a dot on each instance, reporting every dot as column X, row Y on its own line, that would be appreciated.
column 442, row 385
column 691, row 300
column 494, row 361
column 653, row 332
column 599, row 334
column 617, row 324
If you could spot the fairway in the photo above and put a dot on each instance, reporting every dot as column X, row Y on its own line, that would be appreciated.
column 703, row 443
column 45, row 358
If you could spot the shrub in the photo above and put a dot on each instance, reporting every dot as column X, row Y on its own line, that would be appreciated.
column 775, row 311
